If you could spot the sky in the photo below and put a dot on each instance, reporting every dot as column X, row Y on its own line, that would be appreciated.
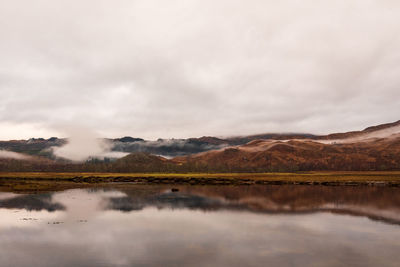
column 189, row 68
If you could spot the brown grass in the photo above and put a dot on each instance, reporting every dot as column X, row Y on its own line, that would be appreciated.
column 298, row 176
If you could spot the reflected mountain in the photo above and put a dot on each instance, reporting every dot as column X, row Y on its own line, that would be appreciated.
column 170, row 200
column 375, row 203
column 32, row 203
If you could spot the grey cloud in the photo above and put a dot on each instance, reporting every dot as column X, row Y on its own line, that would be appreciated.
column 190, row 68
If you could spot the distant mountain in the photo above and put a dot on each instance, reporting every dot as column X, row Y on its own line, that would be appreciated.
column 167, row 147
column 164, row 147
column 33, row 146
column 374, row 148
column 296, row 155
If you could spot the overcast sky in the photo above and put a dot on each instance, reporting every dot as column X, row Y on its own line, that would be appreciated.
column 197, row 67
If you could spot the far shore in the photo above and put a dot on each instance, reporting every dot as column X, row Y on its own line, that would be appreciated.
column 329, row 178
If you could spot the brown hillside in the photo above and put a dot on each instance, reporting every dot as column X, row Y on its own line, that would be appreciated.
column 301, row 155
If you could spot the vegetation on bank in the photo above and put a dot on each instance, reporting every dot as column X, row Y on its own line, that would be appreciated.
column 389, row 176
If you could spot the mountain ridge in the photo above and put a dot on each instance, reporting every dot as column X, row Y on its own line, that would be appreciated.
column 374, row 148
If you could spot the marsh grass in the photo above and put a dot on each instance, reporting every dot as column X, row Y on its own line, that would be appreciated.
column 298, row 176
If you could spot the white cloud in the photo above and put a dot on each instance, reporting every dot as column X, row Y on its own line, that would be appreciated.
column 82, row 144
column 12, row 155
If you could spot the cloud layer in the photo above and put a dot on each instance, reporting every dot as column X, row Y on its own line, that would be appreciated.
column 191, row 68
column 4, row 154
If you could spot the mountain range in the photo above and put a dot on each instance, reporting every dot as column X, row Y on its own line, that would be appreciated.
column 374, row 148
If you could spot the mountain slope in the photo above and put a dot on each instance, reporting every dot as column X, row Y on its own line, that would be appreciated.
column 374, row 148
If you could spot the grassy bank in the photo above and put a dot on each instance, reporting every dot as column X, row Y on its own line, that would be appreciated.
column 392, row 178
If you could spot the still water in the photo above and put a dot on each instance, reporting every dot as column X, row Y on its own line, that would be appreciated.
column 133, row 225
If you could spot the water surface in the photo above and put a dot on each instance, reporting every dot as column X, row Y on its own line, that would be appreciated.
column 133, row 225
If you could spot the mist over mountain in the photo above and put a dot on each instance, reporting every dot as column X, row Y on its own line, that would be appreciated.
column 164, row 147
column 374, row 148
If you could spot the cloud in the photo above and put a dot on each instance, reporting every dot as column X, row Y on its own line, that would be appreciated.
column 191, row 68
column 12, row 155
column 83, row 144
column 390, row 133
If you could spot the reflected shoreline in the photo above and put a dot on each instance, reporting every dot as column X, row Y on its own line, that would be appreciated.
column 143, row 225
column 375, row 203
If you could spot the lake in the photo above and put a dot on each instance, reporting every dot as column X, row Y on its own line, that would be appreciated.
column 143, row 225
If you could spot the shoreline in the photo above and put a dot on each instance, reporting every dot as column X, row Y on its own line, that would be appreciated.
column 304, row 178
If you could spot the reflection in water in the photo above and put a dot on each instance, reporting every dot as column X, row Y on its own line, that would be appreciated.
column 376, row 203
column 202, row 226
column 30, row 202
column 166, row 200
